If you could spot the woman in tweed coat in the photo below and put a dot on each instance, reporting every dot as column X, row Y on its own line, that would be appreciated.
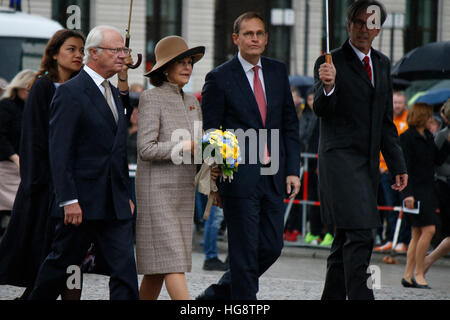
column 165, row 191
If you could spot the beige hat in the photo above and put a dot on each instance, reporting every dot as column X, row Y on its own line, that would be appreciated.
column 172, row 48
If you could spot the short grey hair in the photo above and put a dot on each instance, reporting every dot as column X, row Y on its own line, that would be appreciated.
column 95, row 39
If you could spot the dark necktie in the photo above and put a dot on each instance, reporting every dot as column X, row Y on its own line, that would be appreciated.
column 367, row 67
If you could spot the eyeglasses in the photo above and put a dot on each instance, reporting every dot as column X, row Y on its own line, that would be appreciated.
column 358, row 23
column 117, row 50
column 250, row 35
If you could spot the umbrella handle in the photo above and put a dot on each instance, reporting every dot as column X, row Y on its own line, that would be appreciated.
column 328, row 58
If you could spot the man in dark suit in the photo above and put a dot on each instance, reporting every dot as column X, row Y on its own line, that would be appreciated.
column 353, row 98
column 249, row 94
column 88, row 157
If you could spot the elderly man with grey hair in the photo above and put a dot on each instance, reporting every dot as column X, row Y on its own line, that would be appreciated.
column 87, row 146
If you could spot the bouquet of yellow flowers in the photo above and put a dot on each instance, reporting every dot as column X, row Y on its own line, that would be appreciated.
column 220, row 146
column 219, row 149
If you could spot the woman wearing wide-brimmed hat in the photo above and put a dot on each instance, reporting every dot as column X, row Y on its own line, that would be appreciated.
column 165, row 191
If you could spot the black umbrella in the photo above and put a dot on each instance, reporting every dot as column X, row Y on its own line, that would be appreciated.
column 430, row 61
column 400, row 84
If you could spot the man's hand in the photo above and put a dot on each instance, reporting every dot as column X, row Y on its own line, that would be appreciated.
column 401, row 181
column 217, row 200
column 128, row 60
column 15, row 158
column 327, row 73
column 73, row 214
column 292, row 186
column 132, row 206
column 409, row 202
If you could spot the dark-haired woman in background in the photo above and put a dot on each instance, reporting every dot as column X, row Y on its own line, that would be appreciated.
column 27, row 238
column 421, row 155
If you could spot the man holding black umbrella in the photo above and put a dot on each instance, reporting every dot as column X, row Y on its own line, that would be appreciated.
column 353, row 98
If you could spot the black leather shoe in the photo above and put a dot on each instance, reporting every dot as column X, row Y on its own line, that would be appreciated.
column 419, row 286
column 214, row 264
column 203, row 296
column 407, row 284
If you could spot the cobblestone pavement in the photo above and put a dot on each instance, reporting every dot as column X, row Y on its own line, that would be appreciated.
column 297, row 275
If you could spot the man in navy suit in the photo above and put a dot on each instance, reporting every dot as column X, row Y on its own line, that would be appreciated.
column 251, row 94
column 87, row 136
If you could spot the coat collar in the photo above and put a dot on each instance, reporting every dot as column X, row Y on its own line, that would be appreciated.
column 358, row 67
column 415, row 133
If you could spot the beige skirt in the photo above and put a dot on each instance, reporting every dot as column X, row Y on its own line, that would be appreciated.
column 9, row 183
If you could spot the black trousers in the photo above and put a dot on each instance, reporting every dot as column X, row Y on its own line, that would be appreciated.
column 69, row 247
column 347, row 266
column 255, row 240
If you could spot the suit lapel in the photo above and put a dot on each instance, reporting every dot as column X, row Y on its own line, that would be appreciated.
column 376, row 70
column 98, row 100
column 119, row 105
column 355, row 63
column 242, row 81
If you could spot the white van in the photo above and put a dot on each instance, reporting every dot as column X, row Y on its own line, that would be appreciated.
column 23, row 38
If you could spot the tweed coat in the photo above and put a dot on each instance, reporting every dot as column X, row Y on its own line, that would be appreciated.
column 165, row 192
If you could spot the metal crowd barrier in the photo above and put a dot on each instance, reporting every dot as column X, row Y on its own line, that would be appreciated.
column 304, row 202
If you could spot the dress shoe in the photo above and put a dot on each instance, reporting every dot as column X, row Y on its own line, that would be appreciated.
column 214, row 264
column 419, row 286
column 407, row 284
column 203, row 296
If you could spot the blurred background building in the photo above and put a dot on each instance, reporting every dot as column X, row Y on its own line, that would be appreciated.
column 296, row 27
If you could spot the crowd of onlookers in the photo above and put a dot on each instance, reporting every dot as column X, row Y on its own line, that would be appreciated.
column 434, row 128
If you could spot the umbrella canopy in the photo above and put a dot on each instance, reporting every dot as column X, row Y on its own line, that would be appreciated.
column 443, row 84
column 426, row 62
column 435, row 97
column 400, row 84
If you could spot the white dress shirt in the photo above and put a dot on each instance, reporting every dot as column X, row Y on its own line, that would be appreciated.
column 98, row 79
column 248, row 69
column 360, row 57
